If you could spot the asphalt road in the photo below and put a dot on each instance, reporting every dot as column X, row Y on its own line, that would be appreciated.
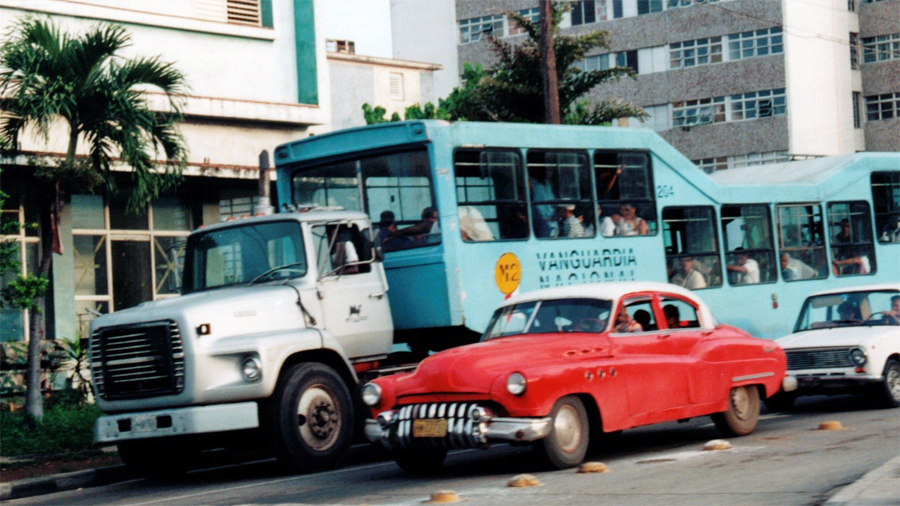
column 787, row 461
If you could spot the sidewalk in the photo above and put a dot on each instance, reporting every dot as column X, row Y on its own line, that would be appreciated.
column 880, row 487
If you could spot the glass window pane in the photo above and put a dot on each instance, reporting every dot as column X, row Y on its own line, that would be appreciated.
column 86, row 311
column 169, row 252
column 90, row 265
column 131, row 274
column 87, row 212
column 170, row 214
column 120, row 219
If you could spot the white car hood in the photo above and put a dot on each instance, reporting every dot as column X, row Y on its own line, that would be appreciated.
column 838, row 336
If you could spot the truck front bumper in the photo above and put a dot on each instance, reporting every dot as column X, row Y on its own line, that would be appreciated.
column 176, row 422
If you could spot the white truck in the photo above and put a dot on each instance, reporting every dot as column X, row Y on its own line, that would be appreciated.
column 278, row 316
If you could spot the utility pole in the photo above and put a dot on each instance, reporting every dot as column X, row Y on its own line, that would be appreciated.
column 548, row 65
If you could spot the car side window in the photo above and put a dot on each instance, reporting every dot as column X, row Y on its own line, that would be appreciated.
column 680, row 314
column 642, row 312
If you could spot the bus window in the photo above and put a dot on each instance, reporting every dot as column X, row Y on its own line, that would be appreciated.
column 328, row 185
column 490, row 191
column 560, row 184
column 692, row 252
column 886, row 201
column 749, row 249
column 399, row 199
column 852, row 251
column 625, row 179
column 801, row 243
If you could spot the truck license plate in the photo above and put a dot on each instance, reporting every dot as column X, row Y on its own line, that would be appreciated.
column 146, row 423
column 430, row 427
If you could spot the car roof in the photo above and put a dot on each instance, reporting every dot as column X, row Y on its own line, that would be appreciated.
column 861, row 288
column 608, row 290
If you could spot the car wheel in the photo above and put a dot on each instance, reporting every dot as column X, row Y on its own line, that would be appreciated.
column 420, row 462
column 781, row 401
column 311, row 417
column 567, row 443
column 742, row 414
column 890, row 387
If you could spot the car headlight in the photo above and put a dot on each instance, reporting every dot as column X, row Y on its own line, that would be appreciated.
column 371, row 394
column 251, row 369
column 516, row 383
column 858, row 357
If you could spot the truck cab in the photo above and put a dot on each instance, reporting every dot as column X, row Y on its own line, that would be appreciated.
column 277, row 315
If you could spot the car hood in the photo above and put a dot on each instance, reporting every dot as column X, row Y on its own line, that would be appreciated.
column 473, row 368
column 837, row 336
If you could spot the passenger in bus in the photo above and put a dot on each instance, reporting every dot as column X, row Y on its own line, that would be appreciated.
column 855, row 263
column 428, row 225
column 571, row 224
column 630, row 224
column 387, row 237
column 745, row 270
column 891, row 231
column 844, row 235
column 472, row 225
column 687, row 276
column 607, row 224
column 518, row 226
column 624, row 323
column 673, row 316
column 544, row 215
column 793, row 269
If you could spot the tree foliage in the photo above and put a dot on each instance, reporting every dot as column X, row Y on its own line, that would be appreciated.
column 513, row 90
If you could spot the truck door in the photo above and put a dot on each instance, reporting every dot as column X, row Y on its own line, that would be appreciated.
column 352, row 290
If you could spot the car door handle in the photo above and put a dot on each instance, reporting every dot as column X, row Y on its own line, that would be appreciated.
column 707, row 332
column 663, row 336
column 378, row 296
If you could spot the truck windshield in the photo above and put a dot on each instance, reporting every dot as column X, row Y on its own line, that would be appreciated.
column 881, row 307
column 240, row 254
column 550, row 316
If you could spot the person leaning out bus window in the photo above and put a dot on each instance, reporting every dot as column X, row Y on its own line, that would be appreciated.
column 630, row 223
column 856, row 263
column 687, row 276
column 745, row 269
column 428, row 225
column 793, row 269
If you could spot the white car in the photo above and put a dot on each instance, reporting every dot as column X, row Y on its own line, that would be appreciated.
column 845, row 340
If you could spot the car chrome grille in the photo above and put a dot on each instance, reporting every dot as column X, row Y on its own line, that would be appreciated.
column 136, row 361
column 462, row 430
column 820, row 358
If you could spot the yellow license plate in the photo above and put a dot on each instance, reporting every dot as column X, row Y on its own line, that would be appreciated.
column 430, row 427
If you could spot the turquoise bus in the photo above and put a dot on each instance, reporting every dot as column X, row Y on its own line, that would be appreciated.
column 468, row 213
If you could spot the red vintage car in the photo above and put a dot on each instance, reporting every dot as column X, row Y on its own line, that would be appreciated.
column 557, row 366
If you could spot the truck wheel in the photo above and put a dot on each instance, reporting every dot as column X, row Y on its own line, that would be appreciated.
column 420, row 462
column 567, row 443
column 742, row 414
column 154, row 459
column 890, row 387
column 312, row 418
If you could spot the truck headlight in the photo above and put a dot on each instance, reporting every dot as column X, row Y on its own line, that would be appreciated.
column 371, row 394
column 858, row 357
column 516, row 383
column 251, row 369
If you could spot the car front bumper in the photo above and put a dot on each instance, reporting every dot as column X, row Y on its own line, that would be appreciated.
column 176, row 422
column 832, row 383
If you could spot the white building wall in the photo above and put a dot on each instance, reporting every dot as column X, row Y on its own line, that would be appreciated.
column 819, row 79
column 366, row 22
column 436, row 44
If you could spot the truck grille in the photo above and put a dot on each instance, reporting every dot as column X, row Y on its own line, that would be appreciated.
column 820, row 358
column 135, row 361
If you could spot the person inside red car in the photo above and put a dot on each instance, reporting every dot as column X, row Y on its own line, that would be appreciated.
column 624, row 323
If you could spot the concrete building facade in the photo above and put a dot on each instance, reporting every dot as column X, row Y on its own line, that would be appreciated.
column 736, row 82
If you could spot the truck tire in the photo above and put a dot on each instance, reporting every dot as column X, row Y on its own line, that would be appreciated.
column 312, row 418
column 155, row 459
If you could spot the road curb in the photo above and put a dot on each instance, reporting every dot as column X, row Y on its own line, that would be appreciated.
column 61, row 482
column 876, row 488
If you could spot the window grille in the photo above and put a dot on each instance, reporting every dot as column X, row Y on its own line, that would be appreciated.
column 243, row 12
column 755, row 43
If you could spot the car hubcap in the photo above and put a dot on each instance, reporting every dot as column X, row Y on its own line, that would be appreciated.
column 893, row 382
column 567, row 429
column 318, row 418
column 740, row 403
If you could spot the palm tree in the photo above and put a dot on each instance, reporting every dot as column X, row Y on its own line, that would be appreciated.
column 47, row 75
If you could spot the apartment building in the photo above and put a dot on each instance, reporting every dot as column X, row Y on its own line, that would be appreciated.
column 257, row 77
column 732, row 83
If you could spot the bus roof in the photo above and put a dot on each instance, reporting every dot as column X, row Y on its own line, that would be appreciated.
column 607, row 290
column 805, row 172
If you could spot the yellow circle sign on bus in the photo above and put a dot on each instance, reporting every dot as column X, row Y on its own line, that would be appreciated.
column 508, row 273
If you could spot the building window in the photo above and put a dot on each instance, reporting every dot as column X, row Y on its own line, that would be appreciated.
column 533, row 15
column 857, row 118
column 595, row 62
column 698, row 112
column 879, row 107
column 584, row 12
column 854, row 51
column 676, row 4
column 659, row 118
column 881, row 48
column 628, row 59
column 752, row 159
column 755, row 43
column 649, row 6
column 710, row 165
column 618, row 11
column 474, row 29
column 243, row 12
column 851, row 5
column 25, row 248
column 396, row 85
column 758, row 104
column 695, row 52
column 340, row 46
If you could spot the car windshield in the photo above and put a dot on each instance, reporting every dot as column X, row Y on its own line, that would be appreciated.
column 241, row 254
column 857, row 308
column 550, row 316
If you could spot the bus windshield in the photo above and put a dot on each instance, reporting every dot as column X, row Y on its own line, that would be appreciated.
column 241, row 254
column 849, row 309
column 550, row 316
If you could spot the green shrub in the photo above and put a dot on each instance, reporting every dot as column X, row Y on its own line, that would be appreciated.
column 66, row 428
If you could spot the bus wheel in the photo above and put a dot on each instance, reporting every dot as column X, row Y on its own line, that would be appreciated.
column 742, row 414
column 567, row 443
column 312, row 418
